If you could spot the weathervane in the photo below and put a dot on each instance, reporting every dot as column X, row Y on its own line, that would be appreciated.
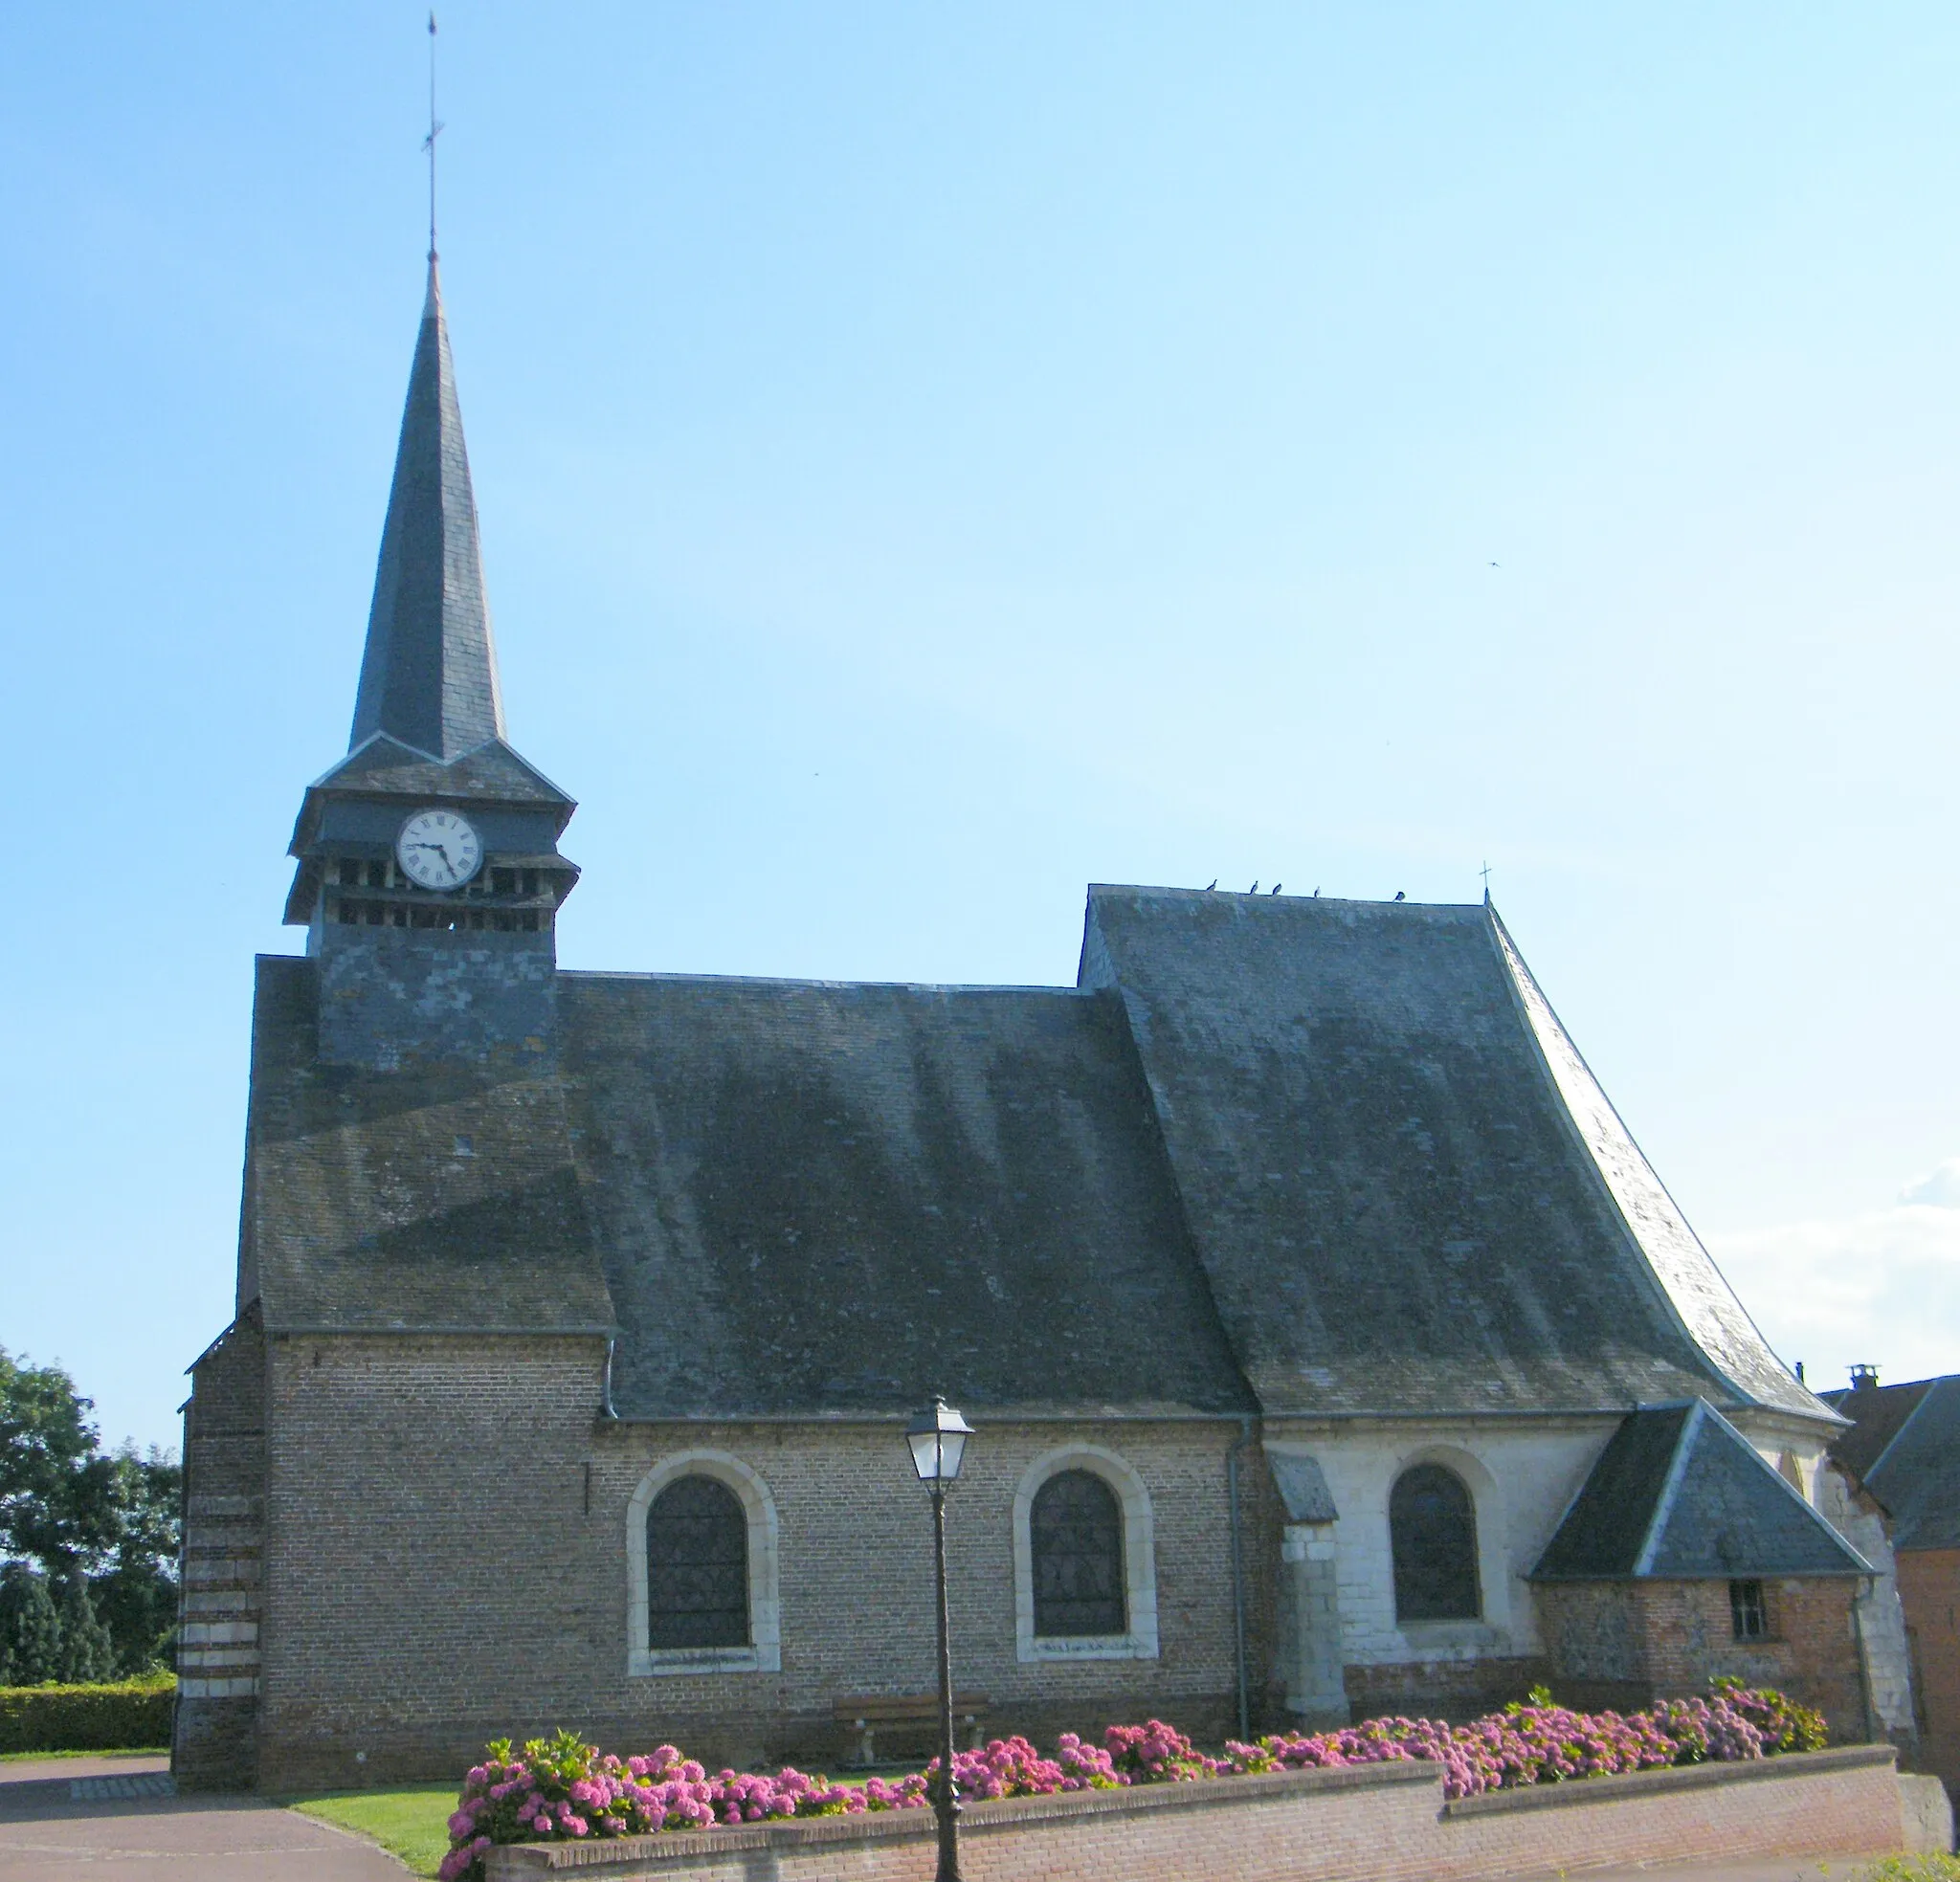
column 434, row 132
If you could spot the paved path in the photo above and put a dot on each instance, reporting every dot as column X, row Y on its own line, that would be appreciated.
column 1779, row 1869
column 107, row 1820
column 74, row 1819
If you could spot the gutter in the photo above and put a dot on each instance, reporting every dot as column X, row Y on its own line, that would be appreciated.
column 1238, row 1444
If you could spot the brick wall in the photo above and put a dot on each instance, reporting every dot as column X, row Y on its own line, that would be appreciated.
column 1371, row 1824
column 224, row 1507
column 1456, row 1690
column 1929, row 1590
column 1625, row 1643
column 446, row 1561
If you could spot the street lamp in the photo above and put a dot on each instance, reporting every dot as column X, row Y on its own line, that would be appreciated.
column 938, row 1438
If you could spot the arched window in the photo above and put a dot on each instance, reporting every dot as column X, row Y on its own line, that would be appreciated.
column 697, row 1566
column 1432, row 1534
column 1075, row 1532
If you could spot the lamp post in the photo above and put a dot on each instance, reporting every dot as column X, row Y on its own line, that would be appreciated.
column 938, row 1438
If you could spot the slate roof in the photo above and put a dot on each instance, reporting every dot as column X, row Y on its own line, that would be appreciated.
column 1406, row 1189
column 1678, row 1494
column 1916, row 1475
column 1306, row 1157
column 428, row 674
column 1876, row 1413
column 440, row 1199
column 382, row 770
column 836, row 1198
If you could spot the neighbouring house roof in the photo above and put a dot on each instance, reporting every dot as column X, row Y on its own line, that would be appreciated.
column 1406, row 1189
column 1876, row 1412
column 1916, row 1473
column 1678, row 1494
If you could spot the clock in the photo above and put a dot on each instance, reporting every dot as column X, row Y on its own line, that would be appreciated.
column 439, row 849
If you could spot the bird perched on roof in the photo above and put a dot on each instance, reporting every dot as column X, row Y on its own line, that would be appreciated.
column 1211, row 884
column 1273, row 889
column 1253, row 889
column 1316, row 892
column 1401, row 896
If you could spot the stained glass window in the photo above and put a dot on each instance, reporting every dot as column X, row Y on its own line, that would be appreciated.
column 1433, row 1532
column 1076, row 1532
column 697, row 1566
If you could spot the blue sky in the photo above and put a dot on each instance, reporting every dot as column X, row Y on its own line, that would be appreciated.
column 932, row 458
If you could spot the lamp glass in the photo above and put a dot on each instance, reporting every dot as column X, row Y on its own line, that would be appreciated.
column 939, row 1443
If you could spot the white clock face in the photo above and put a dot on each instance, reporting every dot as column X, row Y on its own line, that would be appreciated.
column 439, row 849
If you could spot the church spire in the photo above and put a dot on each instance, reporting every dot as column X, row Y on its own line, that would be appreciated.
column 428, row 674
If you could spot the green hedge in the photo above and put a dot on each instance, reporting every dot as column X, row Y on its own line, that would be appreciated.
column 116, row 1718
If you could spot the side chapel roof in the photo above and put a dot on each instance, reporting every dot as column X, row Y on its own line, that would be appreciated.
column 1678, row 1494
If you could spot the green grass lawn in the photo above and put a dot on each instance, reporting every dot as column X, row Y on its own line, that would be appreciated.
column 412, row 1823
column 130, row 1750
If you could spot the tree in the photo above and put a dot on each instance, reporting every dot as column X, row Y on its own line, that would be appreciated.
column 29, row 1628
column 70, row 1509
column 136, row 1595
column 87, row 1652
column 57, row 1489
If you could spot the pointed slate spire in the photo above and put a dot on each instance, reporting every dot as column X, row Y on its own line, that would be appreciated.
column 428, row 674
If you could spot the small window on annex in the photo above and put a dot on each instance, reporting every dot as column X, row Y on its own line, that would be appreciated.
column 1075, row 1534
column 1433, row 1534
column 1748, row 1612
column 697, row 1566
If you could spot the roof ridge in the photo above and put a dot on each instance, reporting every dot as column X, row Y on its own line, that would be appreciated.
column 817, row 980
column 1670, row 1488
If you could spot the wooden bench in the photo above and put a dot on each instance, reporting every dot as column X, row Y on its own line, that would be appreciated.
column 872, row 1713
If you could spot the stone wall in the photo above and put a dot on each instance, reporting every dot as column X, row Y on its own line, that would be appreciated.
column 224, row 1509
column 1857, row 1517
column 1378, row 1822
column 1930, row 1587
column 447, row 1561
column 1626, row 1642
column 1520, row 1477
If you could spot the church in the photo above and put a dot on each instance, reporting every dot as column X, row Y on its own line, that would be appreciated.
column 1330, row 1347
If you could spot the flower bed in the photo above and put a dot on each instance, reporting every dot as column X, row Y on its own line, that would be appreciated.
column 563, row 1789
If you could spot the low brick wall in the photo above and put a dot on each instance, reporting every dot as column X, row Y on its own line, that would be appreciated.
column 1374, row 1823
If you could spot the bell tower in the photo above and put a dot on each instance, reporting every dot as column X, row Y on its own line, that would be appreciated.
column 429, row 876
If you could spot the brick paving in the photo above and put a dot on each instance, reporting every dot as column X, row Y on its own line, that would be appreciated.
column 103, row 1820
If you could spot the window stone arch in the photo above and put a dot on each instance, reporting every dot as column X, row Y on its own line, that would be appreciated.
column 1095, row 1564
column 1433, row 1539
column 699, row 1566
